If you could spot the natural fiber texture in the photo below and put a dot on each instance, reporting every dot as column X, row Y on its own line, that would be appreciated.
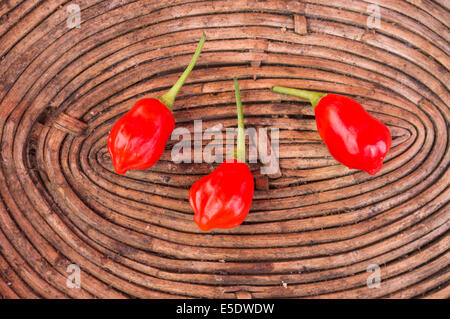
column 313, row 229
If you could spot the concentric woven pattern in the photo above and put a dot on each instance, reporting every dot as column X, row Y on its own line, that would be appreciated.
column 314, row 228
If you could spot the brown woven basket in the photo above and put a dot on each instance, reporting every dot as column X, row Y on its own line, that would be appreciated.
column 316, row 229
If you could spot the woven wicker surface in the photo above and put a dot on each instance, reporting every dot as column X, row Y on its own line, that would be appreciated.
column 314, row 229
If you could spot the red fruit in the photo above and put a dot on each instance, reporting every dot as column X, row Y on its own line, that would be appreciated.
column 353, row 137
column 223, row 198
column 138, row 138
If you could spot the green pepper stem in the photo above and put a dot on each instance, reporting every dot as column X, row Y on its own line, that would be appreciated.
column 168, row 98
column 313, row 97
column 240, row 154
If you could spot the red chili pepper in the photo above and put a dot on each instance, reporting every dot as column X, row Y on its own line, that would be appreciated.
column 138, row 139
column 223, row 198
column 353, row 137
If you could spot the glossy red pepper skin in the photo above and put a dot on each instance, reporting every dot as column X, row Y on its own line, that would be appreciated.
column 353, row 137
column 138, row 139
column 223, row 198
